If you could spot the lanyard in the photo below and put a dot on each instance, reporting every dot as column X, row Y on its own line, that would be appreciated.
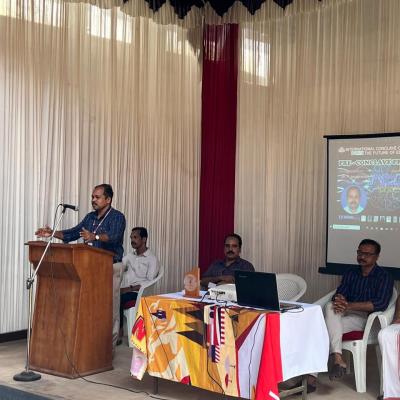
column 98, row 226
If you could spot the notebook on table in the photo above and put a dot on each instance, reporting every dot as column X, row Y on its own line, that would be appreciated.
column 259, row 289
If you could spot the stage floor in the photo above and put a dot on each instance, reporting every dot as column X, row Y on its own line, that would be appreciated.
column 12, row 361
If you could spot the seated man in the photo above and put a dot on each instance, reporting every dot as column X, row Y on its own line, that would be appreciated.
column 139, row 267
column 389, row 342
column 223, row 271
column 363, row 289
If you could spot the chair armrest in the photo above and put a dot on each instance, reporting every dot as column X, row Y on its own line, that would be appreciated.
column 326, row 299
column 386, row 317
column 145, row 286
column 149, row 283
column 371, row 319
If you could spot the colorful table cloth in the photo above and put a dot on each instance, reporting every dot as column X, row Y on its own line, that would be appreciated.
column 227, row 349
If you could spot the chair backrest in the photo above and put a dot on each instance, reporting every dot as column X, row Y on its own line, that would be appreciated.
column 145, row 289
column 150, row 285
column 290, row 286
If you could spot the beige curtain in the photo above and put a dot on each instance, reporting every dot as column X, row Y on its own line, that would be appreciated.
column 90, row 95
column 334, row 70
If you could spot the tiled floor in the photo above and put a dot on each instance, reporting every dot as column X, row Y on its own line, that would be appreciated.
column 12, row 361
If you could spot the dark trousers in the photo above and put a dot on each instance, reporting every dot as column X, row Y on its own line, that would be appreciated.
column 125, row 298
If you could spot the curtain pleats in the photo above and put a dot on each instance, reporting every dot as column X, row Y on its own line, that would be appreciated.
column 91, row 95
column 87, row 96
column 334, row 70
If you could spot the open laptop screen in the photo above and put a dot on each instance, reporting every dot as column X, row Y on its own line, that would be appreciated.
column 257, row 289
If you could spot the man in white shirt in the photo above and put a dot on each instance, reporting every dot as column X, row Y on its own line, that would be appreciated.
column 389, row 339
column 139, row 267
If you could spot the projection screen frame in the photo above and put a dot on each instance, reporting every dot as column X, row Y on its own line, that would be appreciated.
column 339, row 268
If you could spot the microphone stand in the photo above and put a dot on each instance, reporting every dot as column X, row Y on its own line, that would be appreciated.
column 27, row 375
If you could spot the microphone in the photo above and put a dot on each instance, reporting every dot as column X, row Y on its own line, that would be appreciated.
column 70, row 206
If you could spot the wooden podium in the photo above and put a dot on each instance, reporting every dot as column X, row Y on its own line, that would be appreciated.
column 72, row 322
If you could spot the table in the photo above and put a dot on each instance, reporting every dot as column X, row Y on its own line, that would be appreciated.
column 225, row 348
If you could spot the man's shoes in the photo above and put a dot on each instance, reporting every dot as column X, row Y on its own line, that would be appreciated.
column 119, row 341
column 311, row 383
column 380, row 397
column 336, row 372
column 311, row 388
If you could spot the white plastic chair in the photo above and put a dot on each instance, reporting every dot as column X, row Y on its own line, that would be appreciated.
column 290, row 286
column 358, row 348
column 130, row 313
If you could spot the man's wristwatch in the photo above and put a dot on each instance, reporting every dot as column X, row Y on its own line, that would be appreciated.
column 97, row 237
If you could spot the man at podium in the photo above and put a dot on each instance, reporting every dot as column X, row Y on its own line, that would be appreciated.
column 103, row 228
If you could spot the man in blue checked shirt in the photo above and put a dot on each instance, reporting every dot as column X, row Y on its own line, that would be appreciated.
column 364, row 289
column 103, row 228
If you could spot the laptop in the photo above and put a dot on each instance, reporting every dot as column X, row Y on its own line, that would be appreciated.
column 259, row 289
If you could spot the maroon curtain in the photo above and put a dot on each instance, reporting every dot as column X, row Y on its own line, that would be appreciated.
column 218, row 144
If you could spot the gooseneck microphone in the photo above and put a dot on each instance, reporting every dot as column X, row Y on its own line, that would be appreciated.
column 70, row 206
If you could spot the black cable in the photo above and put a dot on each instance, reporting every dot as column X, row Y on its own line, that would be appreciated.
column 240, row 311
column 70, row 362
column 221, row 301
column 162, row 345
column 204, row 295
column 212, row 378
column 296, row 310
column 252, row 347
column 208, row 358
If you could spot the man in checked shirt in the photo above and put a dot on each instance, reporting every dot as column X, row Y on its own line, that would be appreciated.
column 103, row 228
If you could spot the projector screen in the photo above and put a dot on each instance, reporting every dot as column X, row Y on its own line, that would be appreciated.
column 363, row 197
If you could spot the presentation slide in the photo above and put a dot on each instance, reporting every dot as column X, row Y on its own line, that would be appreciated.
column 363, row 197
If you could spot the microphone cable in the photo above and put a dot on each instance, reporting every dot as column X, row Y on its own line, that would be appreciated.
column 64, row 340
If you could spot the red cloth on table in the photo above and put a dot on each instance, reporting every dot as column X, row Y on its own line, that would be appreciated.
column 270, row 372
